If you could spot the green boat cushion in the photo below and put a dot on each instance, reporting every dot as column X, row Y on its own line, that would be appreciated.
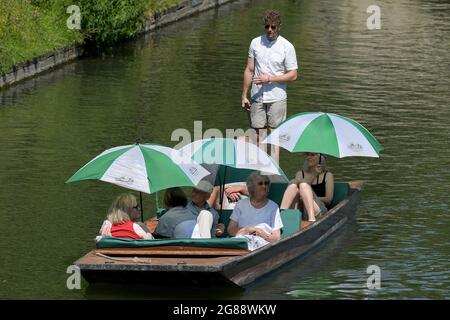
column 225, row 243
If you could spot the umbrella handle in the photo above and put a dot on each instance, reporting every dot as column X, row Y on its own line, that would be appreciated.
column 156, row 201
column 222, row 190
column 142, row 208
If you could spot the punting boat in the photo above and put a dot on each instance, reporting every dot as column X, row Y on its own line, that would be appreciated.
column 217, row 261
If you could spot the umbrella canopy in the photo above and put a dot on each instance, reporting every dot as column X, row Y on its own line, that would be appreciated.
column 142, row 167
column 325, row 133
column 232, row 160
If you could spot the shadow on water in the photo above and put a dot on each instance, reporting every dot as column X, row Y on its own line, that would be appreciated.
column 145, row 291
column 287, row 281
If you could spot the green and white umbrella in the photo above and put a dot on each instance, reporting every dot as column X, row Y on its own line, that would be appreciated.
column 235, row 158
column 142, row 167
column 232, row 160
column 326, row 133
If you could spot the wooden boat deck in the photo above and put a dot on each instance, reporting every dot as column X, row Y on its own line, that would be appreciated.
column 158, row 258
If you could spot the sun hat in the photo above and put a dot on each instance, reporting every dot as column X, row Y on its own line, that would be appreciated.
column 204, row 186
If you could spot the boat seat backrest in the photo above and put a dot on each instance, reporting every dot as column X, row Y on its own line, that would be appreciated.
column 276, row 192
column 340, row 192
column 291, row 219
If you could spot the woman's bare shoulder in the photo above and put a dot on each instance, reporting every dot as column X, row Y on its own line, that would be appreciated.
column 329, row 175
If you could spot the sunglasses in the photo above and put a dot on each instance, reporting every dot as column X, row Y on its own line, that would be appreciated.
column 266, row 183
column 136, row 207
column 267, row 26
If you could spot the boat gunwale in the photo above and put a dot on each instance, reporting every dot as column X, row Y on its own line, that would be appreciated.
column 295, row 235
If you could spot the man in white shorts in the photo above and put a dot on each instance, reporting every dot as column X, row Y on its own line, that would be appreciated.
column 271, row 63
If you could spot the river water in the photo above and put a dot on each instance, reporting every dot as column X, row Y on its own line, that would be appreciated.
column 395, row 81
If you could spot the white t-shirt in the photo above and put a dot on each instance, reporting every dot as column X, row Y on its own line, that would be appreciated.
column 245, row 215
column 275, row 58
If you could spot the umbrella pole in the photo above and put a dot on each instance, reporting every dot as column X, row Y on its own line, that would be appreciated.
column 156, row 201
column 142, row 208
column 222, row 189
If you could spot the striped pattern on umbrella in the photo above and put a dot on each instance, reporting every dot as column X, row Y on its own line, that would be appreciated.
column 142, row 167
column 325, row 133
column 233, row 153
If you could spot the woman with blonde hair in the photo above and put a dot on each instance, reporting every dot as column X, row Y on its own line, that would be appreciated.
column 126, row 202
column 121, row 218
column 312, row 189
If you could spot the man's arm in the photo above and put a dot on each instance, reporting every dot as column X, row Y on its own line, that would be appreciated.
column 289, row 76
column 234, row 192
column 248, row 75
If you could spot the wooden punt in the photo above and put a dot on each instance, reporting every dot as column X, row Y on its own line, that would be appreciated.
column 213, row 266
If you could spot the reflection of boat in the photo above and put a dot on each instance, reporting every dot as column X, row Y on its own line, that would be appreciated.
column 181, row 261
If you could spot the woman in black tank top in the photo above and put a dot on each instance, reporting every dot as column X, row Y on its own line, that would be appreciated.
column 318, row 188
column 312, row 189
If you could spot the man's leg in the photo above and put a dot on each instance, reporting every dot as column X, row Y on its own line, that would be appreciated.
column 274, row 151
column 261, row 134
column 276, row 114
column 258, row 121
column 204, row 221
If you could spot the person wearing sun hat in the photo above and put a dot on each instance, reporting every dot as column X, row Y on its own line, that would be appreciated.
column 207, row 217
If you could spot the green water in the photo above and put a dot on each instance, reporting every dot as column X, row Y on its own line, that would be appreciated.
column 395, row 81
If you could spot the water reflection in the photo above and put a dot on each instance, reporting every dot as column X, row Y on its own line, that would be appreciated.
column 116, row 291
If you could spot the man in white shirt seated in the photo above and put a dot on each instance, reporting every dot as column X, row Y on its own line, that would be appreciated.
column 256, row 218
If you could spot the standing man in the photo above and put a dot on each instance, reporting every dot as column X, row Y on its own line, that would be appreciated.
column 271, row 64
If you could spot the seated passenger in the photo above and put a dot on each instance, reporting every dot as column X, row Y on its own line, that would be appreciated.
column 175, row 201
column 127, row 203
column 123, row 227
column 256, row 218
column 305, row 192
column 208, row 225
column 180, row 221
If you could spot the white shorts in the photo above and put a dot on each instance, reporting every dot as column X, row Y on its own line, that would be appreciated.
column 270, row 115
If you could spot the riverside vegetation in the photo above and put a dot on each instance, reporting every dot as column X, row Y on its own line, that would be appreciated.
column 31, row 28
